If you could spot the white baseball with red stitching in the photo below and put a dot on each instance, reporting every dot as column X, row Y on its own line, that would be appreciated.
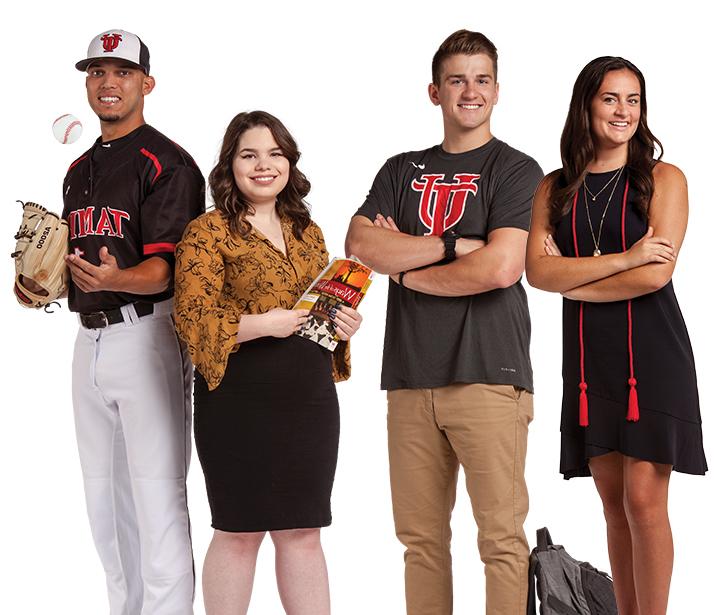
column 67, row 129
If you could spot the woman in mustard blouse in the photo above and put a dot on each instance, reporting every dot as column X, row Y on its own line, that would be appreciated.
column 266, row 411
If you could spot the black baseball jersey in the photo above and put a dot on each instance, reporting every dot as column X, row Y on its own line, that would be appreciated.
column 134, row 195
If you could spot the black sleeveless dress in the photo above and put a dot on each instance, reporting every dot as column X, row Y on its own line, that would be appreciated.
column 643, row 342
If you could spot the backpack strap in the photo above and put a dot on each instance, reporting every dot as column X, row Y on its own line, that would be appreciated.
column 531, row 608
column 543, row 539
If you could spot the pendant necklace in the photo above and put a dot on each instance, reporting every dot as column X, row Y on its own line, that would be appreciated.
column 610, row 181
column 596, row 240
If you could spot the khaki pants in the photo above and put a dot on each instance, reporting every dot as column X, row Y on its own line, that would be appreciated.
column 432, row 431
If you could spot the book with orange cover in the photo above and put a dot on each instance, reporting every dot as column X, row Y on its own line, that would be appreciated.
column 343, row 282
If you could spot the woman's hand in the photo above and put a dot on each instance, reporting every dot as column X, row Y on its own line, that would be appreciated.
column 650, row 249
column 283, row 323
column 346, row 320
column 551, row 248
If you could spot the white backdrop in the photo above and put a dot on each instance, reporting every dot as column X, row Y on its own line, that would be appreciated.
column 350, row 83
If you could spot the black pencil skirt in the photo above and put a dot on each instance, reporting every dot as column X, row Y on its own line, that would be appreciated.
column 267, row 437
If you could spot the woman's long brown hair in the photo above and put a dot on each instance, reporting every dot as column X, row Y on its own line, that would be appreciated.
column 228, row 199
column 577, row 149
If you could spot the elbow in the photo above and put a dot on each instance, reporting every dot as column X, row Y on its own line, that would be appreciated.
column 538, row 277
column 534, row 272
column 354, row 246
column 157, row 275
column 656, row 276
column 507, row 276
column 533, row 278
column 503, row 279
column 659, row 280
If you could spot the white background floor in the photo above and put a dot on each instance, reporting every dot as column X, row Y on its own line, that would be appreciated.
column 350, row 83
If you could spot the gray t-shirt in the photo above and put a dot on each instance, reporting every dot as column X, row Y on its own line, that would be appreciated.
column 435, row 341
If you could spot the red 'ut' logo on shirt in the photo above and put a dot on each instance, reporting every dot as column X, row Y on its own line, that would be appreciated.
column 442, row 204
column 110, row 41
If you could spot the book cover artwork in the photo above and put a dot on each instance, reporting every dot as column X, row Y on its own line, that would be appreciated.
column 343, row 282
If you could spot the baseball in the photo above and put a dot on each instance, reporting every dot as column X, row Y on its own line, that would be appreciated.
column 67, row 129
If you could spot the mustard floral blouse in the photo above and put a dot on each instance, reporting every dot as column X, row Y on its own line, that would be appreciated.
column 220, row 277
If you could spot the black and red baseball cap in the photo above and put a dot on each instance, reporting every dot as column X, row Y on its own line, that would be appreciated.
column 117, row 45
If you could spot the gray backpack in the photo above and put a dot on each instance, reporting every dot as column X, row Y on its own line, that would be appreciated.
column 566, row 586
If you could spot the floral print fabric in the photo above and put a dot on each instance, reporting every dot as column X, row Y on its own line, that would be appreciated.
column 219, row 277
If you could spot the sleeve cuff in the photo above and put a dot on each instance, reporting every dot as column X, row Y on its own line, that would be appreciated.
column 158, row 248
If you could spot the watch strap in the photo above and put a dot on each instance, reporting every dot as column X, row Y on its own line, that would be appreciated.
column 450, row 239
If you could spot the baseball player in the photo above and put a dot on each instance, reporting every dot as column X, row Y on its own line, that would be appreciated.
column 127, row 201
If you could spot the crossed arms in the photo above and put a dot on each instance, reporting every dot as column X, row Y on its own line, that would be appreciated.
column 479, row 267
column 644, row 268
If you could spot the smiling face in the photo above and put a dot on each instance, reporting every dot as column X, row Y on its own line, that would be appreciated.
column 260, row 168
column 466, row 93
column 615, row 109
column 116, row 91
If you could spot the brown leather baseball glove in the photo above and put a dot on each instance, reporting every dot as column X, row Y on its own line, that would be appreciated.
column 41, row 275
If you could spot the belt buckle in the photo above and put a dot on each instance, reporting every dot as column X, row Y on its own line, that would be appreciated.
column 95, row 320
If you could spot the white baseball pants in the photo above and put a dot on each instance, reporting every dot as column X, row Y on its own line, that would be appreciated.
column 131, row 395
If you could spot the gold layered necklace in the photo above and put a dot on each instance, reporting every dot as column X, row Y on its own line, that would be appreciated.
column 610, row 181
column 586, row 191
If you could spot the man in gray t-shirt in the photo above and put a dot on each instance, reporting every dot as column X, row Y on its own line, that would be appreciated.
column 449, row 224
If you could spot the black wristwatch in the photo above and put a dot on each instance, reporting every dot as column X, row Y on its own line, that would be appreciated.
column 450, row 238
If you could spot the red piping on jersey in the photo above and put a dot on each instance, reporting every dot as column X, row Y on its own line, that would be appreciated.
column 633, row 412
column 155, row 161
column 78, row 161
column 154, row 248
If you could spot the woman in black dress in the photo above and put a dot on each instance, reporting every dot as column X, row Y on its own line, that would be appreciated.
column 606, row 231
column 266, row 411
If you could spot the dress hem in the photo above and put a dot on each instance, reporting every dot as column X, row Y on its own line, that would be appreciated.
column 584, row 471
column 269, row 527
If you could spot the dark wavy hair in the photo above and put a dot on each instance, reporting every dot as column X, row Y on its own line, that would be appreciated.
column 228, row 199
column 577, row 149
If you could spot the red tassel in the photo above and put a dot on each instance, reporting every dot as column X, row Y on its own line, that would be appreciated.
column 633, row 413
column 584, row 415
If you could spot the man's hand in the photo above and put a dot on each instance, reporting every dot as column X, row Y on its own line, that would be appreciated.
column 90, row 278
column 386, row 223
